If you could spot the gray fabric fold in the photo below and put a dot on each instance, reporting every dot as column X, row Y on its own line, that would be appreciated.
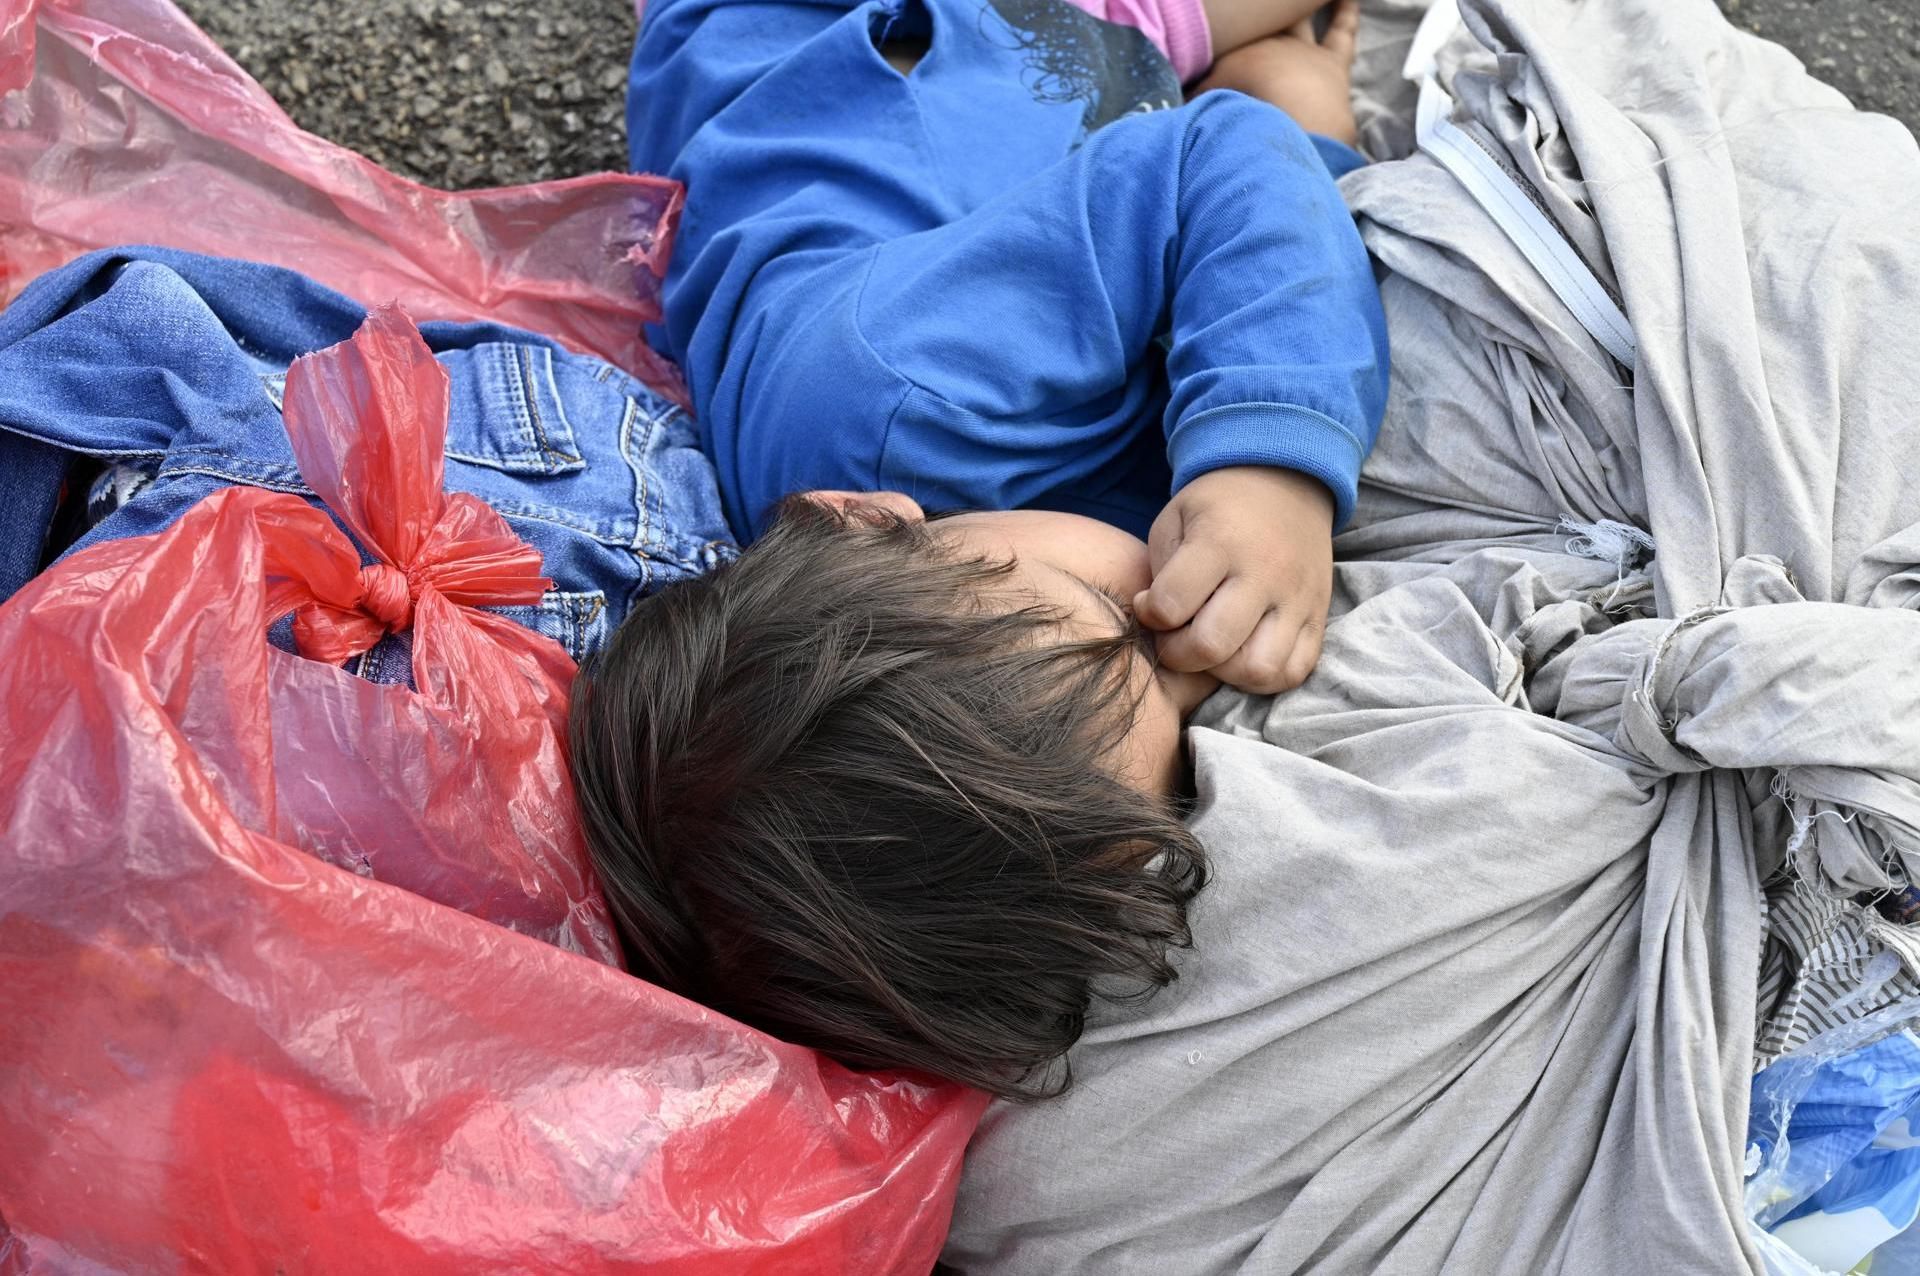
column 1476, row 987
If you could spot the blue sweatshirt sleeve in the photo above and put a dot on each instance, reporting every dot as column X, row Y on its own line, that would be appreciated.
column 1022, row 335
column 843, row 326
column 1339, row 158
column 1279, row 353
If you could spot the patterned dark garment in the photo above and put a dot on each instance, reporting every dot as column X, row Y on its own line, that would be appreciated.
column 1072, row 56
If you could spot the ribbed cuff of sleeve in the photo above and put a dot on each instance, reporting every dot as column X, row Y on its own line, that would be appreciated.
column 1339, row 158
column 1189, row 38
column 1284, row 435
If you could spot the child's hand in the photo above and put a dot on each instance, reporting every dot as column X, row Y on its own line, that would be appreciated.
column 1310, row 79
column 1242, row 574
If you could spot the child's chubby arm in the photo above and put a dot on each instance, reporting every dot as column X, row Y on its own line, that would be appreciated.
column 1266, row 431
column 1242, row 574
column 1243, row 555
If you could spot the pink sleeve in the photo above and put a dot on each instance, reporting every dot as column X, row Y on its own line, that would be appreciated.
column 1179, row 27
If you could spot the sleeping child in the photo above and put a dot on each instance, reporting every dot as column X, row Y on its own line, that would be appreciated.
column 1036, row 395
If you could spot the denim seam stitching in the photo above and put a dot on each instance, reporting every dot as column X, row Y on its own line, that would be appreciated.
column 555, row 518
column 513, row 391
column 644, row 523
column 573, row 613
column 523, row 362
column 244, row 480
column 560, row 407
column 115, row 454
column 643, row 585
column 521, row 465
column 484, row 462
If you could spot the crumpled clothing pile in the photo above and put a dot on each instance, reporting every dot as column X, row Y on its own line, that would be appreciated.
column 1618, row 714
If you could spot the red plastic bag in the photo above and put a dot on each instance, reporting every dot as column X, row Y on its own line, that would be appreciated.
column 482, row 818
column 240, row 1035
column 122, row 123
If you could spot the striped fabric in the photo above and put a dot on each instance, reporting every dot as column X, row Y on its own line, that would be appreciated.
column 1828, row 962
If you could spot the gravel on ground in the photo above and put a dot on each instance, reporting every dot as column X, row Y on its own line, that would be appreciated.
column 453, row 93
column 466, row 93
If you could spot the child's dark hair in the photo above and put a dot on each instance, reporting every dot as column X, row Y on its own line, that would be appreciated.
column 835, row 791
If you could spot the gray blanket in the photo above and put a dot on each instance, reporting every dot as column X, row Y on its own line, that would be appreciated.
column 1475, row 987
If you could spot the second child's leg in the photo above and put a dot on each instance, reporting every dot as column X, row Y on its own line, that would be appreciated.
column 1238, row 23
column 1307, row 75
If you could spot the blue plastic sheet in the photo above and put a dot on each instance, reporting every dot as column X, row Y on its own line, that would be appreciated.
column 1834, row 1153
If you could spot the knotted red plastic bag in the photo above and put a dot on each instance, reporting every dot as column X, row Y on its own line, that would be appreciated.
column 240, row 1034
column 122, row 123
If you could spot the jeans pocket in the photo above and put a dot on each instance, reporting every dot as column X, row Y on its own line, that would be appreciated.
column 578, row 621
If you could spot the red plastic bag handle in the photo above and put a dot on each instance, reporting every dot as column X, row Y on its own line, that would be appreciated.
column 368, row 423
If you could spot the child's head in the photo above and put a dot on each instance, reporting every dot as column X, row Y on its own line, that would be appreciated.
column 895, row 789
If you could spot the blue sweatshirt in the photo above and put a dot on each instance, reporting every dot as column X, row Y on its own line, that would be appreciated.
column 1021, row 276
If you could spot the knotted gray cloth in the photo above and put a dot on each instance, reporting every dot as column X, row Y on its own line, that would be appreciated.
column 1474, row 988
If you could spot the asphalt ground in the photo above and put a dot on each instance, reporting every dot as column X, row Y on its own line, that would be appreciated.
column 466, row 93
column 1868, row 49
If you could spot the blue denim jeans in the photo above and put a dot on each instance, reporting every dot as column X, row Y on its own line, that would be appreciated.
column 161, row 373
